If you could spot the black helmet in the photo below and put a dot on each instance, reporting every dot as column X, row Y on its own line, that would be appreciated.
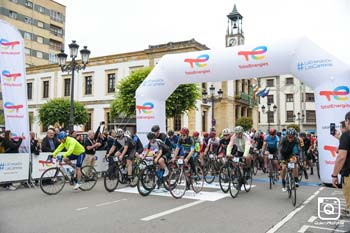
column 151, row 136
column 155, row 128
column 171, row 133
column 291, row 132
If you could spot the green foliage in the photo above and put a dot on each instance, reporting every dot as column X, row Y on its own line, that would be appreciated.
column 245, row 122
column 57, row 110
column 182, row 99
column 295, row 126
column 2, row 117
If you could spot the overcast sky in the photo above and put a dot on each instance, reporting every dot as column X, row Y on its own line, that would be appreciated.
column 109, row 27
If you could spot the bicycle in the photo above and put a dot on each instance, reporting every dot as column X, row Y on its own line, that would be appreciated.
column 211, row 168
column 273, row 172
column 239, row 178
column 181, row 178
column 53, row 180
column 256, row 162
column 290, row 182
column 301, row 169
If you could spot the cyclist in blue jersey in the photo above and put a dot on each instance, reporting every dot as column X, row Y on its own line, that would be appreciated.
column 270, row 146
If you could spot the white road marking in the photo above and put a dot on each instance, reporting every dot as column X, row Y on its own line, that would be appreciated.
column 119, row 200
column 171, row 211
column 305, row 227
column 83, row 208
column 291, row 214
column 102, row 204
column 312, row 219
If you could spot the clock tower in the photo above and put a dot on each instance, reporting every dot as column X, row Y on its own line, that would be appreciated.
column 234, row 35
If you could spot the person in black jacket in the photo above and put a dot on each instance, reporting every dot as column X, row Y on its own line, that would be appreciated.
column 50, row 142
column 34, row 146
column 161, row 136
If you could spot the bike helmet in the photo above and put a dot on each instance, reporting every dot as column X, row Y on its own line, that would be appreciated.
column 272, row 131
column 238, row 129
column 155, row 128
column 171, row 133
column 195, row 134
column 120, row 132
column 291, row 132
column 226, row 131
column 61, row 135
column 212, row 134
column 205, row 134
column 184, row 130
column 151, row 136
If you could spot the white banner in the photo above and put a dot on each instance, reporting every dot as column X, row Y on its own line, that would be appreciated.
column 318, row 69
column 101, row 165
column 13, row 83
column 14, row 167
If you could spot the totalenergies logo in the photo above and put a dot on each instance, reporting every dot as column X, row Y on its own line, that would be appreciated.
column 331, row 149
column 8, row 76
column 339, row 93
column 146, row 108
column 255, row 54
column 200, row 61
column 8, row 44
column 10, row 107
column 16, row 137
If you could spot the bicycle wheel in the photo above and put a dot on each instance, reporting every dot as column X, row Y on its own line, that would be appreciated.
column 177, row 183
column 293, row 192
column 235, row 183
column 135, row 175
column 111, row 178
column 289, row 184
column 210, row 173
column 256, row 166
column 140, row 186
column 148, row 178
column 300, row 172
column 318, row 169
column 224, row 178
column 248, row 178
column 88, row 178
column 197, row 181
column 52, row 181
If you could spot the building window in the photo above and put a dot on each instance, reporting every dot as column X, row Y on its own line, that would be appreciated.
column 270, row 83
column 13, row 15
column 57, row 31
column 88, row 85
column 309, row 97
column 30, row 91
column 270, row 116
column 243, row 86
column 289, row 98
column 29, row 4
column 310, row 116
column 46, row 89
column 39, row 54
column 67, row 87
column 270, row 99
column 27, row 35
column 89, row 122
column 237, row 87
column 28, row 20
column 57, row 16
column 289, row 81
column 55, row 45
column 52, row 58
column 41, row 9
column 177, row 122
column 111, row 83
column 27, row 51
column 259, row 120
column 40, row 24
column 289, row 116
column 204, row 121
column 40, row 39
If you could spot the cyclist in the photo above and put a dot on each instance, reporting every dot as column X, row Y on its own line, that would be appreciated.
column 161, row 151
column 75, row 151
column 290, row 146
column 185, row 148
column 126, row 148
column 161, row 136
column 307, row 153
column 197, row 142
column 224, row 141
column 173, row 139
column 213, row 144
column 243, row 143
column 270, row 146
column 203, row 147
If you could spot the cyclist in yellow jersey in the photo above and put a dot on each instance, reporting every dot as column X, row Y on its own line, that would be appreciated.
column 75, row 151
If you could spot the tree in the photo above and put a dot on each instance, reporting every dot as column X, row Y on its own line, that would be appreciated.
column 57, row 110
column 182, row 99
column 295, row 126
column 245, row 122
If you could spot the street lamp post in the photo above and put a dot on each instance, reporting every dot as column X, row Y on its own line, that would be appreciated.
column 300, row 119
column 73, row 66
column 274, row 109
column 212, row 100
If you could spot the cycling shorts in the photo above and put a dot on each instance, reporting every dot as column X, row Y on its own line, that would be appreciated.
column 80, row 158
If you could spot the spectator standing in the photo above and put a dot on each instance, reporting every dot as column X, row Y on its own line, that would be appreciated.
column 34, row 145
column 50, row 142
column 90, row 149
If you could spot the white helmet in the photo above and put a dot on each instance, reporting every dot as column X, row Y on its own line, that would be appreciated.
column 120, row 132
column 226, row 131
column 238, row 129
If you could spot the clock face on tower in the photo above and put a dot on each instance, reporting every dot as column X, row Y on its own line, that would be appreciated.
column 232, row 41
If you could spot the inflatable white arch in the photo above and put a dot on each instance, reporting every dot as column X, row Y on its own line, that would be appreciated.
column 324, row 73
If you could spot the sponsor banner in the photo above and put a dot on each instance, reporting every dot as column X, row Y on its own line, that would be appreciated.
column 314, row 64
column 13, row 83
column 14, row 167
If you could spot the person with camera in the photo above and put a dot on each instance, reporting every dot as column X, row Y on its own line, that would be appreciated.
column 342, row 165
column 90, row 148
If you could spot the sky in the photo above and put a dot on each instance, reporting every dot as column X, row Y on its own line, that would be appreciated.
column 117, row 26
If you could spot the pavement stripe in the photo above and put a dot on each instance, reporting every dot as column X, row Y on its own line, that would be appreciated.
column 83, row 208
column 291, row 214
column 312, row 219
column 305, row 227
column 171, row 210
column 302, row 183
column 102, row 204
